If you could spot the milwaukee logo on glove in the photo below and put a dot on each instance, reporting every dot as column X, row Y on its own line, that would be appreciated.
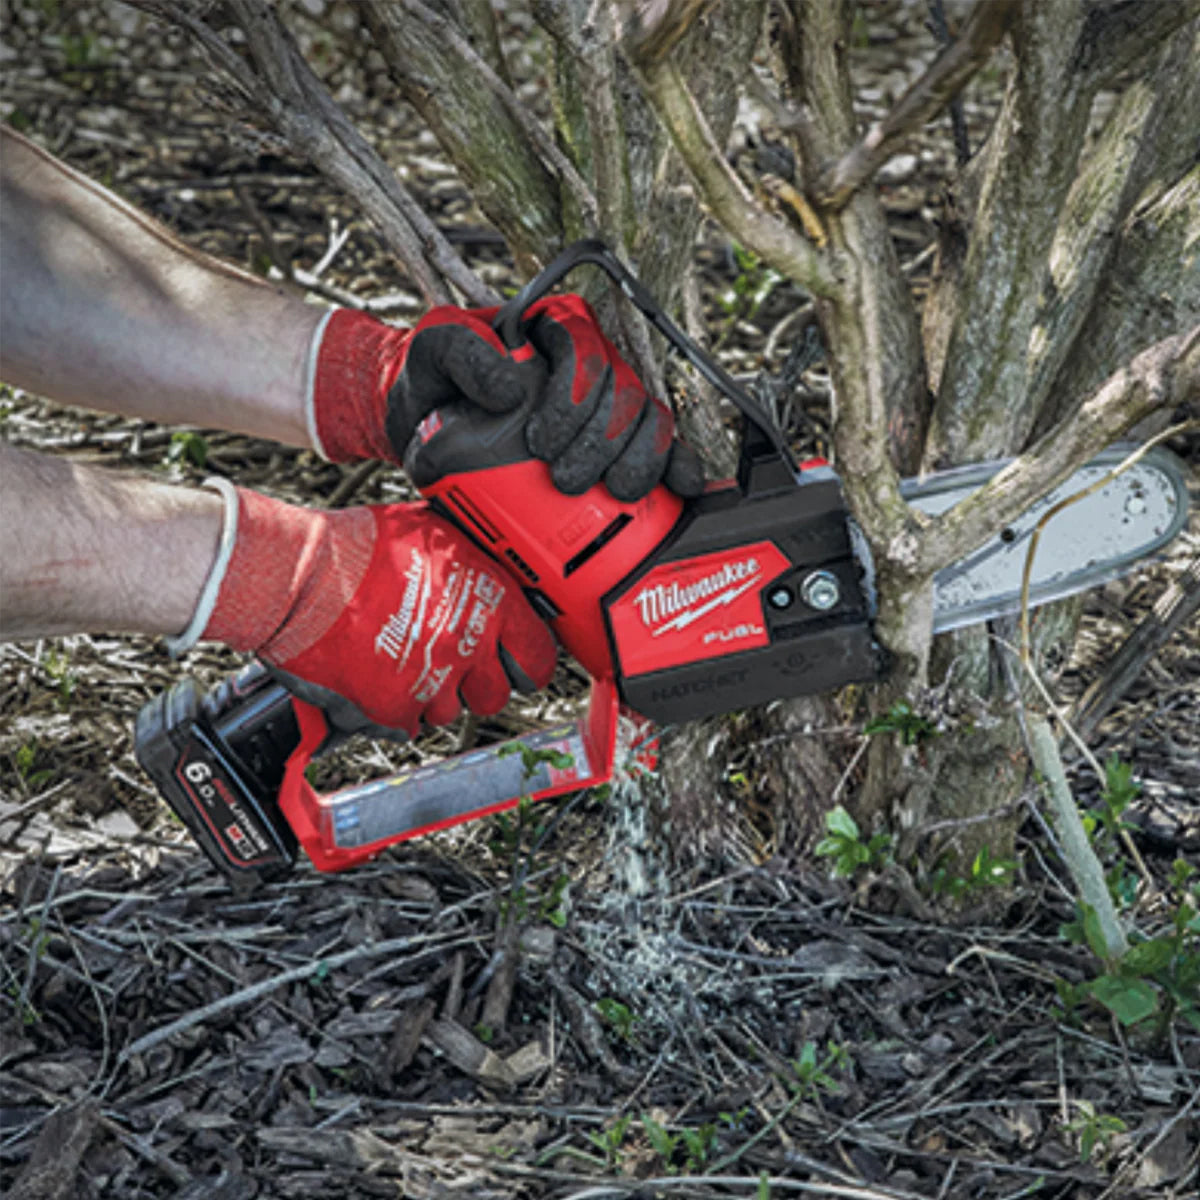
column 467, row 602
column 400, row 631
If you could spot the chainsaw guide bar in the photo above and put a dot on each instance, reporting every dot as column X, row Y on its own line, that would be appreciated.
column 1094, row 540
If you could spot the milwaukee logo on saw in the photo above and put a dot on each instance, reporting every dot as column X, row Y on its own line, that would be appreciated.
column 701, row 607
column 676, row 600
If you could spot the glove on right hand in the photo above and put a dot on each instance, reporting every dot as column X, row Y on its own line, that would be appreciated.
column 383, row 616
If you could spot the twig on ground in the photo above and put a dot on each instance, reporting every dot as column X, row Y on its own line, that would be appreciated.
column 264, row 987
column 1177, row 605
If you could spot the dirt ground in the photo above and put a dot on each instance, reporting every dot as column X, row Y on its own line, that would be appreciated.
column 510, row 1011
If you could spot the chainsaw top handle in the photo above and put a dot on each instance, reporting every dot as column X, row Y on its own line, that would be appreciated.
column 593, row 251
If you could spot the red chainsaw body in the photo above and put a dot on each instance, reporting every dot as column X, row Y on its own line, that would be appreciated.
column 567, row 552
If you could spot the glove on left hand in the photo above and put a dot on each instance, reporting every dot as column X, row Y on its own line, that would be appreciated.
column 384, row 616
column 373, row 384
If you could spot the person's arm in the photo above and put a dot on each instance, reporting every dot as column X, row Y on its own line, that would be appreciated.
column 83, row 550
column 385, row 616
column 103, row 308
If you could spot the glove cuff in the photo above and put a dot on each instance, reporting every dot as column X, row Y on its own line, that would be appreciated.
column 353, row 362
column 282, row 577
column 181, row 643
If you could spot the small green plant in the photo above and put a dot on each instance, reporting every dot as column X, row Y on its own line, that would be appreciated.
column 186, row 448
column 986, row 872
column 696, row 1142
column 902, row 719
column 698, row 1145
column 750, row 290
column 619, row 1016
column 1093, row 1129
column 25, row 759
column 26, row 1013
column 58, row 667
column 1156, row 977
column 811, row 1070
column 1106, row 824
column 511, row 831
column 843, row 844
column 610, row 1139
column 661, row 1140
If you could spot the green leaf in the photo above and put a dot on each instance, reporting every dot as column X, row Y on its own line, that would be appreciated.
column 840, row 823
column 1148, row 957
column 807, row 1062
column 188, row 447
column 1129, row 1000
column 662, row 1142
column 1119, row 785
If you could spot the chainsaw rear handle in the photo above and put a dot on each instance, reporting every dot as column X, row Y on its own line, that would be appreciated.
column 231, row 764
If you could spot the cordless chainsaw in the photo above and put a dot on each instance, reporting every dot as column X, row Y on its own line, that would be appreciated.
column 758, row 590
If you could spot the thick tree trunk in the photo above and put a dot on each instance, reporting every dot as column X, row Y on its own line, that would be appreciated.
column 1119, row 229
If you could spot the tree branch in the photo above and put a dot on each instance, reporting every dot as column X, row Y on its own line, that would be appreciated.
column 592, row 50
column 314, row 127
column 652, row 28
column 1116, row 33
column 456, row 93
column 553, row 157
column 1082, row 862
column 1028, row 166
column 479, row 18
column 1166, row 373
column 947, row 75
column 1153, row 124
column 770, row 238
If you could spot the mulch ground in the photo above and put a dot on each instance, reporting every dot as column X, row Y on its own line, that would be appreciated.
column 510, row 1012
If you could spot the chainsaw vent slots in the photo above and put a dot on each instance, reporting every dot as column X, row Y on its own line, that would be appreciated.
column 597, row 543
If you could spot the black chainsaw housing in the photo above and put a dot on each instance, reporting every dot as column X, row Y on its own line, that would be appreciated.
column 810, row 650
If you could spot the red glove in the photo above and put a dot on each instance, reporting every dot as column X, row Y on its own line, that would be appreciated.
column 595, row 420
column 384, row 616
column 373, row 384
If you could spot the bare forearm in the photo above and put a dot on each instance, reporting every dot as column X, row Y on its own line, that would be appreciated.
column 104, row 308
column 87, row 550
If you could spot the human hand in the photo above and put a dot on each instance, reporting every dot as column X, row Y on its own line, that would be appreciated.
column 374, row 384
column 595, row 420
column 384, row 616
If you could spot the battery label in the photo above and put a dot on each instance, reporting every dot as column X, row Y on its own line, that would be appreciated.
column 238, row 833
